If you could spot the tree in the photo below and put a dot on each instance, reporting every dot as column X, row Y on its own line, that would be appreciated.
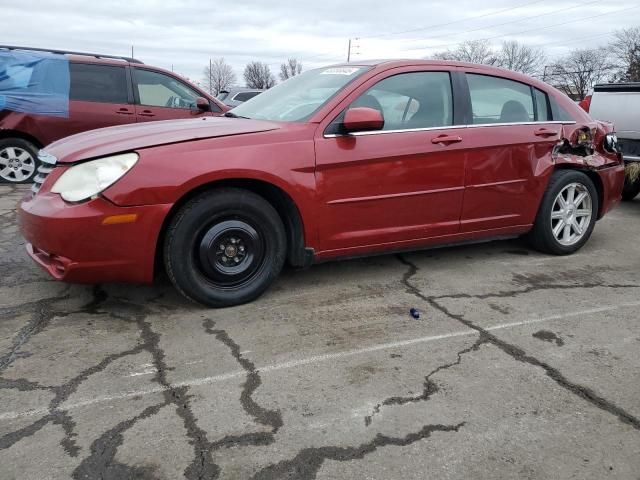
column 258, row 75
column 290, row 68
column 633, row 71
column 473, row 51
column 576, row 73
column 625, row 49
column 521, row 58
column 218, row 75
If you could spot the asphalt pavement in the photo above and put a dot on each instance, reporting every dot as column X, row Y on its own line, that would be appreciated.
column 520, row 366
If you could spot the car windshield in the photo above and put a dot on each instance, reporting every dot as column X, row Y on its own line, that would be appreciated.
column 299, row 97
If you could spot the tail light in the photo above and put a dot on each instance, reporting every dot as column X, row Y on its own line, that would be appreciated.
column 585, row 103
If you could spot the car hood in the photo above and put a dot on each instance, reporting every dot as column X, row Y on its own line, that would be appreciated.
column 124, row 138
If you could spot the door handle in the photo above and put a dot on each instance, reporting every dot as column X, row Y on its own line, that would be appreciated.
column 446, row 139
column 146, row 113
column 124, row 111
column 544, row 132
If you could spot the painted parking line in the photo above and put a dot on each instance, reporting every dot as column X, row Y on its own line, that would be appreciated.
column 313, row 360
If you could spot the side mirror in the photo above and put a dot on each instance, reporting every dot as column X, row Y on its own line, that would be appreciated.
column 362, row 119
column 202, row 104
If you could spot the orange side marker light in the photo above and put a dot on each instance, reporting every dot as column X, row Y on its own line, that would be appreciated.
column 118, row 219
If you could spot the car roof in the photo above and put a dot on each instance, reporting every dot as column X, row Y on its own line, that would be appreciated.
column 387, row 64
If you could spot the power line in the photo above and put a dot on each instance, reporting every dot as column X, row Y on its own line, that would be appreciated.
column 421, row 28
column 530, row 30
column 454, row 22
column 513, row 21
column 336, row 54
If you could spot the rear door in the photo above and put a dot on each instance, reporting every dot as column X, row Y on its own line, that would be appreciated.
column 99, row 96
column 512, row 135
column 399, row 184
column 164, row 97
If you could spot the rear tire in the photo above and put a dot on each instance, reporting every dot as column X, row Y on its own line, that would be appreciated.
column 567, row 214
column 630, row 190
column 18, row 160
column 224, row 247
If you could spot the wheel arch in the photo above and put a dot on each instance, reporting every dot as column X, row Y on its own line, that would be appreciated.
column 297, row 254
column 593, row 176
column 9, row 133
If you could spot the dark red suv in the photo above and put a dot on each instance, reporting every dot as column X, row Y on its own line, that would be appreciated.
column 335, row 162
column 104, row 91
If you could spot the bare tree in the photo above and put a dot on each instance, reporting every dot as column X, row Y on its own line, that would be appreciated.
column 625, row 49
column 473, row 51
column 521, row 58
column 290, row 68
column 576, row 73
column 218, row 75
column 258, row 75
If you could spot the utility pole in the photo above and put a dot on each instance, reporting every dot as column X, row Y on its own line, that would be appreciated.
column 352, row 46
column 132, row 55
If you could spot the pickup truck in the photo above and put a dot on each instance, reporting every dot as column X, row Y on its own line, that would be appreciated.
column 619, row 103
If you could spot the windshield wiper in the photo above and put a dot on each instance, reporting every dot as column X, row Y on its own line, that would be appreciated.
column 234, row 115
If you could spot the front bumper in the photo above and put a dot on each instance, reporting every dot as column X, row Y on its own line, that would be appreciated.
column 74, row 242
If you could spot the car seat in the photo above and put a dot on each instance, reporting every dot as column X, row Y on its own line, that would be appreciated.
column 513, row 111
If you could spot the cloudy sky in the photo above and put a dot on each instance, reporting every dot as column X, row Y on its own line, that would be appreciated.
column 184, row 34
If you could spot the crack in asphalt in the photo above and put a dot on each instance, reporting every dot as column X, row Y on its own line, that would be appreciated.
column 40, row 318
column 62, row 392
column 534, row 283
column 429, row 386
column 307, row 462
column 264, row 416
column 101, row 462
column 516, row 352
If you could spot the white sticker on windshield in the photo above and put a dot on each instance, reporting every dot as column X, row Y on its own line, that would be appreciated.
column 340, row 71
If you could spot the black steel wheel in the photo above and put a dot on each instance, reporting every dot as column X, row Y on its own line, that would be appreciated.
column 224, row 247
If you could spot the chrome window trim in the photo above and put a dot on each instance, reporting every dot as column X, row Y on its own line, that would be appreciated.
column 448, row 127
column 557, row 122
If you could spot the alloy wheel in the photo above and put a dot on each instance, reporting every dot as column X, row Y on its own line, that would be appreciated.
column 16, row 164
column 571, row 214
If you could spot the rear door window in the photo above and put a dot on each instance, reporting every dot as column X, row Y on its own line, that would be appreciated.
column 98, row 83
column 542, row 106
column 498, row 100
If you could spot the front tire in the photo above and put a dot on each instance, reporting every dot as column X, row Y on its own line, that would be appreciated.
column 567, row 214
column 224, row 247
column 18, row 160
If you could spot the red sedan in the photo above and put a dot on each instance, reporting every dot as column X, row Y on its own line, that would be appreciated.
column 339, row 161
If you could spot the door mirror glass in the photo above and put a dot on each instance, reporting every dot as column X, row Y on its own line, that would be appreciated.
column 362, row 119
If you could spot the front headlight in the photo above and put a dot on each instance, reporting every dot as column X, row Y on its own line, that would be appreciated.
column 83, row 181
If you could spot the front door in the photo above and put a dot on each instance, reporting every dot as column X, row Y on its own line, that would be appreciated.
column 399, row 184
column 163, row 97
